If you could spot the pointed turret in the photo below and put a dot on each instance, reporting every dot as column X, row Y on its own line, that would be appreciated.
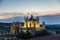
column 43, row 25
column 37, row 18
column 26, row 18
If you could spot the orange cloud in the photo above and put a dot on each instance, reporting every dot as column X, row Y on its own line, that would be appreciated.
column 5, row 16
column 52, row 13
column 9, row 15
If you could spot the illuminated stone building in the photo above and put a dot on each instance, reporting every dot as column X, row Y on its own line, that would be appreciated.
column 29, row 24
column 16, row 27
column 32, row 23
column 13, row 28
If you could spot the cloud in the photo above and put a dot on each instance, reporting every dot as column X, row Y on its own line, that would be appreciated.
column 5, row 16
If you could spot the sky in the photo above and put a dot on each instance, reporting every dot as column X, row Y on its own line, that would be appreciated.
column 29, row 5
column 12, row 8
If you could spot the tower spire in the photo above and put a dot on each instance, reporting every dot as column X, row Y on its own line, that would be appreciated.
column 31, row 16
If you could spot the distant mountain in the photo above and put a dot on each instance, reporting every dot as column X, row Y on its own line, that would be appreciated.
column 55, row 19
column 13, row 19
column 50, row 19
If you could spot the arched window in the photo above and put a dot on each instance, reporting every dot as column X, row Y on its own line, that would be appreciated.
column 30, row 24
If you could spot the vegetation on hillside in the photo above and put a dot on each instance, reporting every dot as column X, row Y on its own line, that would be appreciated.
column 27, row 35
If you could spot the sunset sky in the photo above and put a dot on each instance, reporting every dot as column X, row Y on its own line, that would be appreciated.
column 8, row 8
column 29, row 6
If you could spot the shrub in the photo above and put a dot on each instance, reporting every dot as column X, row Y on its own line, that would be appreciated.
column 27, row 35
column 24, row 35
column 42, row 33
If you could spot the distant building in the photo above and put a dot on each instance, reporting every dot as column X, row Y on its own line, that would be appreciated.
column 31, row 24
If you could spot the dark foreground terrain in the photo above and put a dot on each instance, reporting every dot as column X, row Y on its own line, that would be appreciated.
column 5, row 28
column 50, row 37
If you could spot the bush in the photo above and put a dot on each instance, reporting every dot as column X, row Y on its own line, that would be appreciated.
column 27, row 35
column 24, row 35
column 42, row 33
